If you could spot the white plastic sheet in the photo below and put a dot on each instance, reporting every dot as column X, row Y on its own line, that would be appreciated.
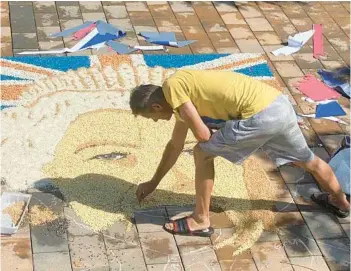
column 295, row 43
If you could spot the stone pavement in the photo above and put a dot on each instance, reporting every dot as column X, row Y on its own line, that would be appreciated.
column 316, row 240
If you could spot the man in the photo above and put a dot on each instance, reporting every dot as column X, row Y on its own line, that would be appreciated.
column 247, row 114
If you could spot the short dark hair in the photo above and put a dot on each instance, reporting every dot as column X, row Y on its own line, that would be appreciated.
column 143, row 96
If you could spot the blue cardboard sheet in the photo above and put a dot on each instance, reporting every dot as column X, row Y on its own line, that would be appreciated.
column 332, row 109
column 120, row 47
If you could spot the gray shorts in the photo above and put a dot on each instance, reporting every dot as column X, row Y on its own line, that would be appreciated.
column 274, row 130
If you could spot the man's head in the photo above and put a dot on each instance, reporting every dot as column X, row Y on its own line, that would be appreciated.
column 149, row 101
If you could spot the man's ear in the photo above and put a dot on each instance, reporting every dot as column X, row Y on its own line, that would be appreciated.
column 156, row 107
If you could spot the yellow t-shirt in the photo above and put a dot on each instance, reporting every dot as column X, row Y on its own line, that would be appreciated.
column 218, row 95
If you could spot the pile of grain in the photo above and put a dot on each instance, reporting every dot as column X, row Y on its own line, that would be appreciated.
column 40, row 215
column 15, row 211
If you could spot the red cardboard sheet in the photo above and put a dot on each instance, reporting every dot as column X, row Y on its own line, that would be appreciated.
column 318, row 49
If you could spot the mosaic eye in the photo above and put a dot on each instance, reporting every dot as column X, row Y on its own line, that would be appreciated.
column 110, row 156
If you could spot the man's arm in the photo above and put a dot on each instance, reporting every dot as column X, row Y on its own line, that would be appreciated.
column 172, row 151
column 190, row 115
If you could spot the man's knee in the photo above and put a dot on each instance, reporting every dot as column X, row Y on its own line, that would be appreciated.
column 200, row 155
column 311, row 166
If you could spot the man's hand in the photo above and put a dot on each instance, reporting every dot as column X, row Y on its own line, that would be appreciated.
column 144, row 189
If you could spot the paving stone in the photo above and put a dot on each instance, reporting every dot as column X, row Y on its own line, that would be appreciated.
column 278, row 182
column 284, row 30
column 124, row 24
column 194, row 32
column 15, row 3
column 291, row 84
column 50, row 237
column 183, row 240
column 331, row 142
column 341, row 43
column 144, row 18
column 159, row 247
column 268, row 38
column 296, row 12
column 309, row 263
column 23, row 25
column 45, row 32
column 76, row 227
column 233, row 18
column 112, row 3
column 202, row 47
column 214, row 27
column 240, row 32
column 331, row 65
column 90, row 7
column 119, row 236
column 225, row 6
column 270, row 256
column 323, row 225
column 285, row 205
column 69, row 12
column 44, row 6
column 259, row 24
column 298, row 241
column 156, row 3
column 174, row 29
column 321, row 153
column 21, row 11
column 136, row 6
column 116, row 12
column 199, row 258
column 325, row 127
column 5, row 19
column 249, row 11
column 167, row 266
column 50, row 45
column 88, row 252
column 302, row 193
column 46, row 19
column 270, row 48
column 287, row 93
column 150, row 221
column 283, row 219
column 181, row 6
column 268, row 236
column 6, row 49
column 307, row 61
column 80, row 53
column 336, row 252
column 24, row 40
column 288, row 69
column 17, row 51
column 162, row 11
column 277, row 17
column 94, row 17
column 5, row 34
column 187, row 18
column 52, row 261
column 221, row 39
column 294, row 175
column 249, row 45
column 346, row 228
column 228, row 50
column 302, row 24
column 128, row 259
column 67, row 3
column 16, row 254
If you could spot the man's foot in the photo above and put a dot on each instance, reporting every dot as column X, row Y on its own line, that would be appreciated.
column 337, row 207
column 194, row 224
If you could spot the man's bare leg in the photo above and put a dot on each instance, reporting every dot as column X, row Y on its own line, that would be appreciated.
column 325, row 176
column 204, row 176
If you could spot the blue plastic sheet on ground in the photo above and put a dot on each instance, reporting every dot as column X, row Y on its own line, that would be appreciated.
column 340, row 164
column 332, row 109
column 120, row 47
column 165, row 38
column 332, row 80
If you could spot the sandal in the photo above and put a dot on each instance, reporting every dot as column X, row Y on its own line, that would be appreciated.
column 181, row 227
column 322, row 200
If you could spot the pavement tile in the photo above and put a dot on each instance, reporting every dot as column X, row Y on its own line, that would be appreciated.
column 290, row 82
column 240, row 32
column 24, row 40
column 128, row 259
column 284, row 30
column 116, row 12
column 204, row 48
column 298, row 241
column 224, row 6
column 325, row 127
column 90, row 7
column 5, row 34
column 81, row 53
column 214, row 27
column 208, row 15
column 330, row 53
column 228, row 50
column 223, row 39
column 323, row 225
column 277, row 180
column 346, row 5
column 268, row 6
column 268, row 236
column 332, row 64
column 233, row 18
column 341, row 43
column 249, row 46
column 181, row 6
column 331, row 142
column 288, row 69
column 172, row 28
column 270, row 48
column 6, row 49
column 67, row 3
column 336, row 252
column 76, row 227
column 21, row 11
column 183, row 240
column 88, row 252
column 285, row 205
column 46, row 19
column 344, row 23
column 309, row 263
column 5, row 19
column 124, row 24
column 259, row 24
column 94, row 16
column 23, row 25
column 302, row 193
column 66, row 24
column 346, row 57
column 44, row 6
column 287, row 92
column 268, row 38
column 119, row 236
column 156, row 3
column 200, row 257
column 346, row 228
column 321, row 153
column 307, row 61
column 50, row 45
column 318, row 17
column 159, row 247
column 187, row 18
column 249, row 11
column 15, row 3
column 16, row 254
column 277, row 17
column 69, row 12
column 150, row 221
column 243, row 261
column 295, row 12
column 302, row 24
column 194, row 32
column 165, row 22
column 52, row 261
column 270, row 256
column 50, row 237
column 44, row 33
column 112, row 3
column 295, row 175
column 167, row 266
column 162, row 11
column 332, row 30
column 288, row 218
column 17, row 51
